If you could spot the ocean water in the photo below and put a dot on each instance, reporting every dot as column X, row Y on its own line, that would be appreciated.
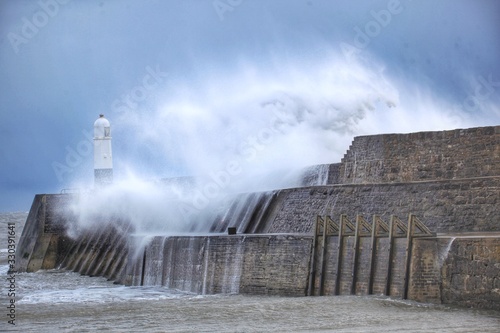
column 61, row 301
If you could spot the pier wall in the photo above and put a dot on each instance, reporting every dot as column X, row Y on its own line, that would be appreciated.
column 461, row 270
column 255, row 264
column 445, row 206
column 385, row 158
column 450, row 180
column 471, row 272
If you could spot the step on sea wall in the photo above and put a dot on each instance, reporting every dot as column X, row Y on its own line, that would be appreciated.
column 444, row 206
column 454, row 154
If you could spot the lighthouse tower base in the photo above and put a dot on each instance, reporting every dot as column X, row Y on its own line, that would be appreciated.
column 103, row 177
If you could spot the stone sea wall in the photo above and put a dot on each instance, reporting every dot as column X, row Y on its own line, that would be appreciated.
column 461, row 153
column 471, row 272
column 450, row 180
column 462, row 270
column 248, row 264
column 444, row 206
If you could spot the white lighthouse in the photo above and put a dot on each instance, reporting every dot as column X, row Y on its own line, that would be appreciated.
column 103, row 160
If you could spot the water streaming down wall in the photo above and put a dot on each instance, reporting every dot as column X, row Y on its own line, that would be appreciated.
column 444, row 251
column 153, row 266
column 101, row 252
column 113, row 250
column 246, row 212
column 200, row 264
column 316, row 175
column 214, row 264
column 223, row 264
column 178, row 262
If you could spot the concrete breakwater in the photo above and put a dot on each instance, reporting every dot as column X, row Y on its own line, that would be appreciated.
column 452, row 257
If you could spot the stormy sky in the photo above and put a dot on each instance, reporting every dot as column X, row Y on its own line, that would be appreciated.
column 191, row 86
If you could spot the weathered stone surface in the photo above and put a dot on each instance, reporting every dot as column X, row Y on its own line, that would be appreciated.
column 471, row 273
column 43, row 242
column 425, row 282
column 461, row 153
column 445, row 206
column 259, row 264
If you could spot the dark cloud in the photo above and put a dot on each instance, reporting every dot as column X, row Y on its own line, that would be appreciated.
column 64, row 62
